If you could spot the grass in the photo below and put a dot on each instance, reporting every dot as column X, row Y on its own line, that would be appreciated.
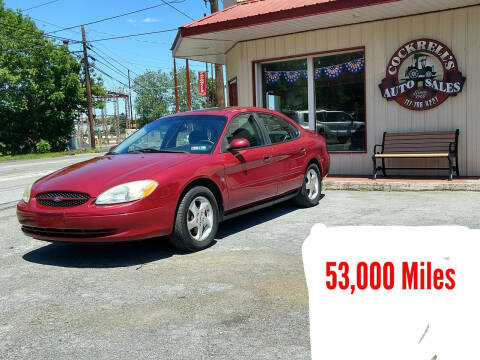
column 47, row 155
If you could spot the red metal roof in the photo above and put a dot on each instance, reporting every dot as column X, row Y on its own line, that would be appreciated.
column 254, row 12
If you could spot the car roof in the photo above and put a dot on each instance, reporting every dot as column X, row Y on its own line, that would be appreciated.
column 227, row 111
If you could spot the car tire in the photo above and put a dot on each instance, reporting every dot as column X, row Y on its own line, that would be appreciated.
column 310, row 193
column 198, row 209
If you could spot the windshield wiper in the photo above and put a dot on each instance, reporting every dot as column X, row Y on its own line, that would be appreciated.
column 151, row 150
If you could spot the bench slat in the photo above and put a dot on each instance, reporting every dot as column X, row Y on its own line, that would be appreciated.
column 413, row 155
column 415, row 140
column 418, row 143
column 419, row 149
column 426, row 133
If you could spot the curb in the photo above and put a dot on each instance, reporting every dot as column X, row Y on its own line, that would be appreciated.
column 398, row 186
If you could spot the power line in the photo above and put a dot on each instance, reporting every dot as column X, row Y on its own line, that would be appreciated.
column 121, row 15
column 38, row 32
column 156, row 66
column 36, row 45
column 37, row 6
column 115, row 79
column 179, row 11
column 132, row 35
column 109, row 66
column 52, row 24
column 138, row 40
column 100, row 54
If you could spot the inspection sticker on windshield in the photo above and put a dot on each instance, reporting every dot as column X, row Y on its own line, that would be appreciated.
column 199, row 148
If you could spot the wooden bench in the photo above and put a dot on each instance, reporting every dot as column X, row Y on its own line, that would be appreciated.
column 415, row 145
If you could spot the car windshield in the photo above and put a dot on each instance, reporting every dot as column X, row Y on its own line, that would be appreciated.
column 194, row 134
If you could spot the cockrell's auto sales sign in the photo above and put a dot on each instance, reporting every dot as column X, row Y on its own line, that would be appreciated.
column 421, row 75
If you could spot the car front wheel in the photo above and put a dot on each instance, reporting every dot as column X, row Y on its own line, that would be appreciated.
column 196, row 221
column 310, row 192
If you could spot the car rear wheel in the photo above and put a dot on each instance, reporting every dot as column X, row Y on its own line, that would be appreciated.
column 196, row 221
column 310, row 192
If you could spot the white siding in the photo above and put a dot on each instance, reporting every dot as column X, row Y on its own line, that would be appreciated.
column 458, row 29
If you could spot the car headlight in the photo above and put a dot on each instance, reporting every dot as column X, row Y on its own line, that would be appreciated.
column 26, row 193
column 127, row 192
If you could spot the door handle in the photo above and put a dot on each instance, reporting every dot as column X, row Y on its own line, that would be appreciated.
column 267, row 158
column 302, row 151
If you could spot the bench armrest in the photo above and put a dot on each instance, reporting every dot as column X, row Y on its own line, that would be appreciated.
column 452, row 147
column 375, row 149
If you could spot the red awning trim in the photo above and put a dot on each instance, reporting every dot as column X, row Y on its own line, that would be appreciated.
column 224, row 23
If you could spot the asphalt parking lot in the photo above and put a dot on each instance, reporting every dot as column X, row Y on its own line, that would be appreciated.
column 243, row 298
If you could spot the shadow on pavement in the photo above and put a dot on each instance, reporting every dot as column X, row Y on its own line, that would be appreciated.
column 258, row 217
column 102, row 255
column 141, row 252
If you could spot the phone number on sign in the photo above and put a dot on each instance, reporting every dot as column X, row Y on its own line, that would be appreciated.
column 415, row 275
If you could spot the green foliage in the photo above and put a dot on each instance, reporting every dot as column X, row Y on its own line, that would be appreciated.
column 43, row 146
column 197, row 101
column 156, row 97
column 41, row 89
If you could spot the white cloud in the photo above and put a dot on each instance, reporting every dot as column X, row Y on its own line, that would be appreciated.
column 149, row 20
column 131, row 20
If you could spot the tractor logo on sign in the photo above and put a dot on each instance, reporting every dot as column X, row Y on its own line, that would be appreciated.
column 421, row 75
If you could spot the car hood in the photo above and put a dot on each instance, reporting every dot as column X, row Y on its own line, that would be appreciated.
column 101, row 173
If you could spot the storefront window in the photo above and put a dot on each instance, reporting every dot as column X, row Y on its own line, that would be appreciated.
column 285, row 88
column 340, row 100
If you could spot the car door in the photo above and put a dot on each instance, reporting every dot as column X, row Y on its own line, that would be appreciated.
column 287, row 151
column 248, row 172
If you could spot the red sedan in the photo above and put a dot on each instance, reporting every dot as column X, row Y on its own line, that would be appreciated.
column 179, row 176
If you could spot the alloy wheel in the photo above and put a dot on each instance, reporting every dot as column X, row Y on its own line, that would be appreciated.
column 200, row 218
column 312, row 184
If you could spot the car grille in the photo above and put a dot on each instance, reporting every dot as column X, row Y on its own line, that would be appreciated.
column 62, row 199
column 67, row 233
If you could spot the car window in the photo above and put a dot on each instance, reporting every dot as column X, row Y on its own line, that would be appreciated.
column 244, row 126
column 331, row 117
column 278, row 129
column 196, row 134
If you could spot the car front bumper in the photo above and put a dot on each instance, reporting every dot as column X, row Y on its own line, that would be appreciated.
column 71, row 227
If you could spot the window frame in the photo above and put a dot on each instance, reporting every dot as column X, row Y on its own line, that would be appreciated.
column 264, row 127
column 258, row 88
column 224, row 143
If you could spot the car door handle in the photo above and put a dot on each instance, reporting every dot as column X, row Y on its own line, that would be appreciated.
column 302, row 151
column 267, row 158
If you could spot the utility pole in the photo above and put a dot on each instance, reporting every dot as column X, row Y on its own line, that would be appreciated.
column 130, row 98
column 218, row 67
column 89, row 91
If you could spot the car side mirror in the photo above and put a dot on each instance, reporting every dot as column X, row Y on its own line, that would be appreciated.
column 238, row 144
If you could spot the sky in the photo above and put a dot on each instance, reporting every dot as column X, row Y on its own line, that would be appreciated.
column 139, row 54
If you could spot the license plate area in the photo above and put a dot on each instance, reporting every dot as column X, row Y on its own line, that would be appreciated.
column 50, row 220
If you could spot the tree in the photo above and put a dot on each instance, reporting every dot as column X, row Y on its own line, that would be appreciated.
column 41, row 89
column 155, row 94
column 197, row 101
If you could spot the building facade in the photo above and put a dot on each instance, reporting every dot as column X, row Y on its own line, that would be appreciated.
column 364, row 70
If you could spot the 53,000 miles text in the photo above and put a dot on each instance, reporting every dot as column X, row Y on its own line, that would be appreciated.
column 415, row 275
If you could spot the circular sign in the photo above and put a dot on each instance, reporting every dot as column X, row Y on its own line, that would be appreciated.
column 421, row 75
